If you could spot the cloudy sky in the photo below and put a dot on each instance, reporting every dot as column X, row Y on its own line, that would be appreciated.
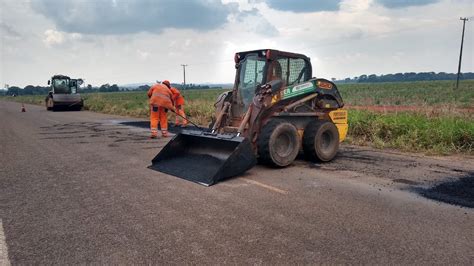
column 129, row 41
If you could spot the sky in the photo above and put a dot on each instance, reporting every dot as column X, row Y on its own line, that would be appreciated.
column 134, row 41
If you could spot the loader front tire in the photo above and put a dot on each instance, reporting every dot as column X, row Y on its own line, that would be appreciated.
column 278, row 143
column 320, row 141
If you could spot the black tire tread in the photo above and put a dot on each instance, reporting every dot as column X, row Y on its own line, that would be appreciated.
column 309, row 141
column 263, row 141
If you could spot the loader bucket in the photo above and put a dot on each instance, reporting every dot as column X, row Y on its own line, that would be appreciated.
column 205, row 158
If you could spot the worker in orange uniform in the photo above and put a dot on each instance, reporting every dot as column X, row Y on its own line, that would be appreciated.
column 178, row 100
column 161, row 99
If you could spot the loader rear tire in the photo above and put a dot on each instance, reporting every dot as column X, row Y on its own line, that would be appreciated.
column 278, row 143
column 320, row 141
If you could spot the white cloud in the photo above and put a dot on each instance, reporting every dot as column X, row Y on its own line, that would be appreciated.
column 53, row 37
column 253, row 21
column 76, row 36
column 355, row 5
column 143, row 55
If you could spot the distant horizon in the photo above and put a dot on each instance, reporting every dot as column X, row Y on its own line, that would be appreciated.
column 137, row 84
column 222, row 84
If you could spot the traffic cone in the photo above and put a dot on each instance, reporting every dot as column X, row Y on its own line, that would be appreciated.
column 23, row 107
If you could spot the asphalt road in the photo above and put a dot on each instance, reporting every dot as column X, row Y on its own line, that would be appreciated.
column 75, row 188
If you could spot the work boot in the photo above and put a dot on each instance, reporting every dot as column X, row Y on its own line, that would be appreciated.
column 154, row 135
column 165, row 134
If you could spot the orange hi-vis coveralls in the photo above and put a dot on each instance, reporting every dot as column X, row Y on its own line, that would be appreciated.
column 161, row 99
column 178, row 100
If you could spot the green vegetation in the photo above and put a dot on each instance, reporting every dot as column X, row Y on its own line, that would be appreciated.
column 438, row 128
column 420, row 93
column 199, row 103
column 408, row 76
column 411, row 131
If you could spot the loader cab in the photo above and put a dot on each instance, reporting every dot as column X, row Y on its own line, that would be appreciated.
column 252, row 73
column 290, row 71
column 255, row 68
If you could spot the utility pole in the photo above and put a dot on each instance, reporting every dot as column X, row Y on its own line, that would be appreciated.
column 460, row 53
column 184, row 74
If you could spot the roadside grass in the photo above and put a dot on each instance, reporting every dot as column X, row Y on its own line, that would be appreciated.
column 438, row 128
column 199, row 104
column 126, row 103
column 31, row 99
column 411, row 131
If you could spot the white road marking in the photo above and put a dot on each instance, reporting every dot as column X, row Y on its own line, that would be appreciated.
column 3, row 247
column 272, row 188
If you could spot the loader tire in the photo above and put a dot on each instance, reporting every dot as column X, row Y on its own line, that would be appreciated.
column 320, row 141
column 278, row 143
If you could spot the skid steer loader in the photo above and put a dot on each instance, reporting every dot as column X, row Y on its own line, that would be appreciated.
column 274, row 111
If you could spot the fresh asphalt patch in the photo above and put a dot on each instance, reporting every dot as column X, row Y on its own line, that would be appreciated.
column 459, row 192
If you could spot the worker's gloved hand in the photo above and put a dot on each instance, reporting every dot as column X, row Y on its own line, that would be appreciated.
column 155, row 108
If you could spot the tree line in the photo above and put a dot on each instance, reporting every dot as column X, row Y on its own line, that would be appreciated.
column 43, row 90
column 179, row 87
column 408, row 76
column 398, row 77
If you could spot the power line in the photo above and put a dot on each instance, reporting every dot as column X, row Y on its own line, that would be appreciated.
column 460, row 53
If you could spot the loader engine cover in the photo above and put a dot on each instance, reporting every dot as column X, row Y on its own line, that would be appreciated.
column 205, row 158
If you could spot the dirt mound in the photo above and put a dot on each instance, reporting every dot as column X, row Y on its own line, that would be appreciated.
column 459, row 192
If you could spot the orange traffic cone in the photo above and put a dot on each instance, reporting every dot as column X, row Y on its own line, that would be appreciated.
column 23, row 107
